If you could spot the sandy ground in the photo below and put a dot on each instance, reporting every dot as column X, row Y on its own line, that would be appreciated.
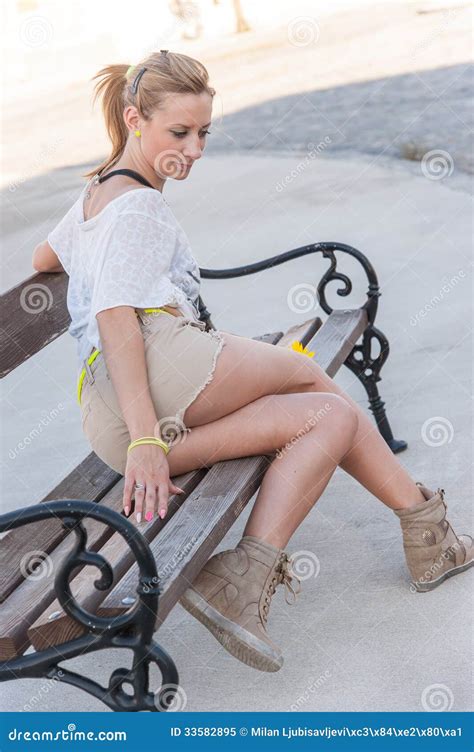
column 357, row 639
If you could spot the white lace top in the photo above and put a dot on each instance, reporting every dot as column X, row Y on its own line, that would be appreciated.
column 134, row 252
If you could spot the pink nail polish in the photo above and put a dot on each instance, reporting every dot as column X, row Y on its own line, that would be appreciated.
column 162, row 513
column 126, row 511
column 149, row 516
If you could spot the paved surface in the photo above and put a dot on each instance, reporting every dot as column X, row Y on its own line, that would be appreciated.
column 400, row 117
column 357, row 639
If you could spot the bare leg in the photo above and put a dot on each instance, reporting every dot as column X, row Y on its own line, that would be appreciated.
column 296, row 478
column 370, row 460
column 247, row 369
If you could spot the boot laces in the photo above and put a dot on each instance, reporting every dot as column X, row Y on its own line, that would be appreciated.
column 282, row 575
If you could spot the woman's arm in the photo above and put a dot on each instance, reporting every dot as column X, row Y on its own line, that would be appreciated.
column 124, row 352
column 45, row 259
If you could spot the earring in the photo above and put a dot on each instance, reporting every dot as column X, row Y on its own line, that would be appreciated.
column 138, row 134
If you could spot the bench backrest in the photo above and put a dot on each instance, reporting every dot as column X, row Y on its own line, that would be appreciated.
column 33, row 313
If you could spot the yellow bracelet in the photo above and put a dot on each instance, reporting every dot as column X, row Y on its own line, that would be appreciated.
column 149, row 440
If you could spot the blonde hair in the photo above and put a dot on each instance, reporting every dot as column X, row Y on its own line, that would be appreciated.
column 166, row 73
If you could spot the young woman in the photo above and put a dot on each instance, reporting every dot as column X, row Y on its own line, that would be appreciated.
column 150, row 369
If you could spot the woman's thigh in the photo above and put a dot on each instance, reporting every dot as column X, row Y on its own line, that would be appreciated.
column 248, row 369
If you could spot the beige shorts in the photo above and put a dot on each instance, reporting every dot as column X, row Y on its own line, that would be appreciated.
column 181, row 357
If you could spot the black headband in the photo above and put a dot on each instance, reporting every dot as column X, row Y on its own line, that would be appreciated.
column 137, row 80
column 140, row 74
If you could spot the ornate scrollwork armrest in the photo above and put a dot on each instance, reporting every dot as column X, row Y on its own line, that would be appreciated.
column 328, row 250
column 133, row 629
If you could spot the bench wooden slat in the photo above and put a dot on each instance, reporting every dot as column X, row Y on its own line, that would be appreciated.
column 39, row 594
column 89, row 481
column 333, row 342
column 301, row 332
column 33, row 314
column 182, row 548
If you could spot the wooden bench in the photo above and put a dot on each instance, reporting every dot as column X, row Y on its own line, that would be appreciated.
column 83, row 577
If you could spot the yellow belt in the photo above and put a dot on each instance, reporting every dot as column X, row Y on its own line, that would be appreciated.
column 95, row 353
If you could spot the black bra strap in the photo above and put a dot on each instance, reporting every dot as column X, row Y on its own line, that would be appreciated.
column 130, row 173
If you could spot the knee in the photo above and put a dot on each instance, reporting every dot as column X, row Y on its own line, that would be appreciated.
column 311, row 376
column 343, row 416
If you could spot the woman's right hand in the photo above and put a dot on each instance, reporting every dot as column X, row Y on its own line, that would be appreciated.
column 147, row 464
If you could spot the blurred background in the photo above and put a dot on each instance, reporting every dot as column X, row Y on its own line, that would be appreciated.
column 284, row 74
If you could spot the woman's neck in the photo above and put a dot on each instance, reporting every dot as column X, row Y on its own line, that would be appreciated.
column 126, row 163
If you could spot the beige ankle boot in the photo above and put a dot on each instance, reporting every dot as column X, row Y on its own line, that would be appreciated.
column 231, row 596
column 433, row 550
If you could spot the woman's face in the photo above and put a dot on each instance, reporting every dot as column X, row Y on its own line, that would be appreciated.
column 175, row 136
